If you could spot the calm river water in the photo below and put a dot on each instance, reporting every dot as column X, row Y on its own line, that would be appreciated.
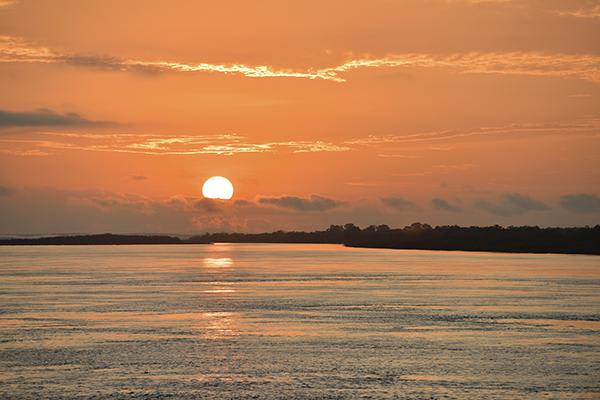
column 296, row 321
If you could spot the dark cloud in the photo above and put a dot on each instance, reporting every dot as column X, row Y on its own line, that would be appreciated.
column 398, row 203
column 44, row 117
column 209, row 205
column 443, row 205
column 4, row 191
column 314, row 203
column 49, row 211
column 581, row 202
column 46, row 211
column 512, row 204
column 139, row 177
column 243, row 203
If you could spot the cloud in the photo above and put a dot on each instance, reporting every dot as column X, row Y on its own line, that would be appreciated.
column 47, row 211
column 407, row 156
column 310, row 146
column 581, row 202
column 17, row 50
column 579, row 66
column 51, row 210
column 589, row 11
column 44, row 143
column 512, row 204
column 443, row 205
column 139, row 177
column 210, row 205
column 314, row 203
column 572, row 8
column 24, row 153
column 589, row 127
column 243, row 203
column 43, row 117
column 398, row 203
column 4, row 191
column 453, row 167
column 219, row 144
column 6, row 3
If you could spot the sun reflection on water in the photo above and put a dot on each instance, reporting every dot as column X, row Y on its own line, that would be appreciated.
column 218, row 325
column 217, row 262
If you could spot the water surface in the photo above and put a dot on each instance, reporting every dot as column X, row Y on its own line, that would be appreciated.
column 296, row 321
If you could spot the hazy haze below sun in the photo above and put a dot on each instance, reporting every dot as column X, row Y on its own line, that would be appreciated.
column 113, row 114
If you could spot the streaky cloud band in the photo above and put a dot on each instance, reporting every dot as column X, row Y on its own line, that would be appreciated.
column 559, row 65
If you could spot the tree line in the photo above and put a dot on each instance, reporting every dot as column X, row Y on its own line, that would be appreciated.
column 526, row 239
column 529, row 239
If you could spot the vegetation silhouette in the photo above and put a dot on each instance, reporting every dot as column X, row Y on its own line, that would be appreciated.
column 105, row 238
column 516, row 239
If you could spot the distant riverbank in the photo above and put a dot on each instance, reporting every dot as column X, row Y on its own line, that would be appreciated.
column 100, row 239
column 525, row 239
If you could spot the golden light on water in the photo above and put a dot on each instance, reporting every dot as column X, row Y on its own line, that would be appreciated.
column 218, row 262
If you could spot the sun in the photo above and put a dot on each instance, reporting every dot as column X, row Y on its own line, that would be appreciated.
column 217, row 187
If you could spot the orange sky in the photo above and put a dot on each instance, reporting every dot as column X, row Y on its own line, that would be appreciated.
column 113, row 113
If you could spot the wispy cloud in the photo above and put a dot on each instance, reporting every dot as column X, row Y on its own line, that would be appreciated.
column 225, row 144
column 580, row 66
column 24, row 152
column 43, row 143
column 571, row 8
column 453, row 167
column 589, row 11
column 583, row 66
column 306, row 146
column 407, row 156
column 17, row 50
column 583, row 127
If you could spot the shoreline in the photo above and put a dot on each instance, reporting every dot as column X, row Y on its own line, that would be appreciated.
column 476, row 250
column 21, row 243
column 493, row 239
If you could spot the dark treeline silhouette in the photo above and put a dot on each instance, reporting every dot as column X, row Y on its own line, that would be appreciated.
column 517, row 239
column 106, row 238
column 521, row 239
